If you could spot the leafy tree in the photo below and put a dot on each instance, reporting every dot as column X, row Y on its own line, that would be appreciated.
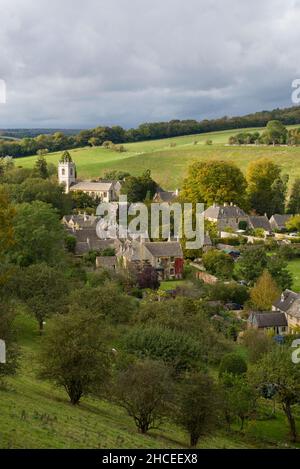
column 70, row 243
column 176, row 349
column 264, row 186
column 106, row 302
column 277, row 369
column 218, row 263
column 148, row 278
column 239, row 398
column 293, row 205
column 264, row 292
column 214, row 181
column 257, row 343
column 184, row 316
column 44, row 290
column 144, row 389
column 7, row 213
column 228, row 292
column 252, row 262
column 115, row 175
column 197, row 406
column 232, row 363
column 293, row 224
column 8, row 334
column 82, row 200
column 278, row 268
column 33, row 189
column 137, row 188
column 279, row 190
column 74, row 355
column 38, row 234
column 41, row 167
column 275, row 133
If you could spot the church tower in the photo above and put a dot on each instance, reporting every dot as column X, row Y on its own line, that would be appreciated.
column 66, row 171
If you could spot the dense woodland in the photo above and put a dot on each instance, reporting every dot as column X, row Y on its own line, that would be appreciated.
column 62, row 140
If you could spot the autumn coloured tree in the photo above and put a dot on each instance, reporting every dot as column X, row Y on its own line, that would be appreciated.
column 264, row 292
column 214, row 182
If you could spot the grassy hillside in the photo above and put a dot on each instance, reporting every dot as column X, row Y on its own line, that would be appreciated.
column 34, row 414
column 169, row 163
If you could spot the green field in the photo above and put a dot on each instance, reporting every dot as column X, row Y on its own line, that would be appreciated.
column 294, row 268
column 34, row 414
column 169, row 163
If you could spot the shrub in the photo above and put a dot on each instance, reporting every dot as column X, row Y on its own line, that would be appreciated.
column 232, row 363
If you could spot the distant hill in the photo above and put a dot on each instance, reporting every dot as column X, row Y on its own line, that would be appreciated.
column 31, row 133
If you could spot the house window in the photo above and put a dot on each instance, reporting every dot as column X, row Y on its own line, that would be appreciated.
column 104, row 194
column 172, row 259
column 63, row 172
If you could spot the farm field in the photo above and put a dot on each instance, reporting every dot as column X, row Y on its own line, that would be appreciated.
column 168, row 159
column 294, row 268
column 34, row 414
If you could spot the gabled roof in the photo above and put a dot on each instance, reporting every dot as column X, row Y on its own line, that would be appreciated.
column 164, row 249
column 258, row 221
column 219, row 212
column 165, row 196
column 280, row 220
column 82, row 220
column 286, row 300
column 268, row 319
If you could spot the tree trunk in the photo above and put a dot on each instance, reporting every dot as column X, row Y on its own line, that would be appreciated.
column 242, row 423
column 288, row 412
column 41, row 326
column 193, row 440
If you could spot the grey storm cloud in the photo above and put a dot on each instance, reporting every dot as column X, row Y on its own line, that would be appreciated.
column 71, row 63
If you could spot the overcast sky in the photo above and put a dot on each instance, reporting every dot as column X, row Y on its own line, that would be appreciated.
column 82, row 63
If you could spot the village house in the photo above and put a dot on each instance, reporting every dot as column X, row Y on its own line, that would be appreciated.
column 166, row 257
column 289, row 304
column 226, row 216
column 80, row 221
column 274, row 322
column 260, row 222
column 104, row 190
column 278, row 221
column 166, row 196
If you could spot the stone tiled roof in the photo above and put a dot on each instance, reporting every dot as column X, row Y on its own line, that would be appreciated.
column 286, row 300
column 294, row 310
column 258, row 221
column 164, row 249
column 92, row 186
column 165, row 196
column 268, row 319
column 219, row 212
column 280, row 220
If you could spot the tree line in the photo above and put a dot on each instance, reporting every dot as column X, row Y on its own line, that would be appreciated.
column 147, row 131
